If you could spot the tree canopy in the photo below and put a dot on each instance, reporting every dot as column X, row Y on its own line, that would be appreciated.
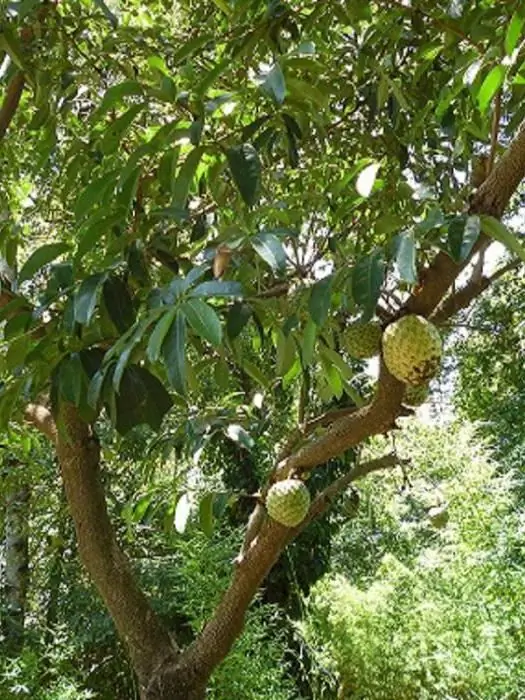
column 199, row 198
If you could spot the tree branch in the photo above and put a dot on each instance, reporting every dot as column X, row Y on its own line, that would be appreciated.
column 78, row 453
column 325, row 499
column 11, row 101
column 41, row 418
column 462, row 298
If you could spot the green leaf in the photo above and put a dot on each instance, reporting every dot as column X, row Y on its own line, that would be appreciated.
column 159, row 333
column 499, row 232
column 203, row 320
column 217, row 288
column 185, row 177
column 142, row 399
column 221, row 67
column 119, row 304
column 114, row 96
column 114, row 133
column 308, row 344
column 191, row 46
column 406, row 257
column 286, row 351
column 271, row 250
column 93, row 193
column 514, row 31
column 255, row 373
column 71, row 379
column 206, row 519
column 274, row 84
column 367, row 278
column 463, row 233
column 245, row 168
column 86, row 298
column 238, row 316
column 173, row 354
column 319, row 302
column 490, row 86
column 42, row 256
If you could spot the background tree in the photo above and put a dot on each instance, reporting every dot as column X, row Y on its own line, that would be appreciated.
column 201, row 196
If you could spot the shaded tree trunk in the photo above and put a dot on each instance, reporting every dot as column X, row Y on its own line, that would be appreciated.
column 16, row 572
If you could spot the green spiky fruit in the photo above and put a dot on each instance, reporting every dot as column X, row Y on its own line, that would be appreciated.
column 416, row 395
column 363, row 340
column 288, row 501
column 412, row 350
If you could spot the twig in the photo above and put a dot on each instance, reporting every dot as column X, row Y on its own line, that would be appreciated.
column 468, row 293
column 325, row 499
column 11, row 102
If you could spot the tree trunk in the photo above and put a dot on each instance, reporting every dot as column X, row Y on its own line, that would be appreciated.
column 16, row 564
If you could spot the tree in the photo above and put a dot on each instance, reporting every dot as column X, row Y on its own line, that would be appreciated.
column 190, row 186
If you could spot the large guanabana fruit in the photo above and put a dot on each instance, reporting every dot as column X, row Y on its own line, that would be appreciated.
column 288, row 501
column 363, row 340
column 412, row 349
column 416, row 395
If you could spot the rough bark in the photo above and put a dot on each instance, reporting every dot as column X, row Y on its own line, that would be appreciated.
column 16, row 573
column 79, row 457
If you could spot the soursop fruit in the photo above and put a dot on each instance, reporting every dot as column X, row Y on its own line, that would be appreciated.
column 416, row 395
column 363, row 340
column 288, row 501
column 412, row 349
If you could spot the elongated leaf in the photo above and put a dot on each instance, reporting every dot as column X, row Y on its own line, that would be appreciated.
column 203, row 320
column 174, row 354
column 255, row 373
column 86, row 298
column 185, row 177
column 142, row 399
column 115, row 131
column 245, row 168
column 192, row 46
column 319, row 302
column 490, row 86
column 238, row 317
column 119, row 304
column 42, row 256
column 514, row 31
column 367, row 278
column 286, row 352
column 93, row 193
column 463, row 232
column 275, row 85
column 270, row 249
column 499, row 232
column 406, row 257
column 308, row 344
column 159, row 333
column 217, row 288
column 124, row 347
column 114, row 95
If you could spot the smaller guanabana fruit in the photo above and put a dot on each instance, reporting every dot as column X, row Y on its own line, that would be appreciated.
column 288, row 501
column 363, row 340
column 412, row 349
column 416, row 395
